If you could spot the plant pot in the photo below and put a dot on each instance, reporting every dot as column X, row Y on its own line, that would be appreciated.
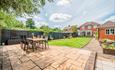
column 109, row 51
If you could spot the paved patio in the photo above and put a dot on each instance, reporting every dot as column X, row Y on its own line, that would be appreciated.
column 103, row 61
column 54, row 58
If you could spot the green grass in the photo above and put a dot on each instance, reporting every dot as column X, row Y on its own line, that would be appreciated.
column 73, row 42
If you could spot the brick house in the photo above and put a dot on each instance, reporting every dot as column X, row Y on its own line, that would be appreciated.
column 107, row 31
column 88, row 29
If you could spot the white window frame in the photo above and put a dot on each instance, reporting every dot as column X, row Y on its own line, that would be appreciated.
column 110, row 33
column 114, row 31
column 83, row 27
column 89, row 27
column 95, row 26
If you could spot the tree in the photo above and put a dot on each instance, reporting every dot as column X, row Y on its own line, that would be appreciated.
column 56, row 30
column 45, row 29
column 2, row 24
column 22, row 6
column 74, row 28
column 9, row 21
column 30, row 23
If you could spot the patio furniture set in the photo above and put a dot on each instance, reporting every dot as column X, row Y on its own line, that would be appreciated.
column 34, row 43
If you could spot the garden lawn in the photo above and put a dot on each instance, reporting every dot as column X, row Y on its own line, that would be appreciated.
column 78, row 42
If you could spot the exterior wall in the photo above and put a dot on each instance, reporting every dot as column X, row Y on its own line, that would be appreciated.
column 103, row 35
column 86, row 29
column 85, row 33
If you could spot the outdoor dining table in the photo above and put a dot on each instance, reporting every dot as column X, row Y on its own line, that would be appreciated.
column 35, row 40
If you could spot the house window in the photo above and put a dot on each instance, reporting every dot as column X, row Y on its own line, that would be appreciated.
column 110, row 31
column 107, row 31
column 89, row 27
column 95, row 26
column 114, row 31
column 83, row 27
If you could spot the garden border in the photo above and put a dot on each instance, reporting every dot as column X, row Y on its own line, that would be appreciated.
column 87, row 43
column 90, row 65
column 109, row 51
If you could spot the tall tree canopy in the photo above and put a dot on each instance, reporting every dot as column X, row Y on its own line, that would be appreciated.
column 74, row 28
column 22, row 6
column 47, row 29
column 9, row 21
column 30, row 23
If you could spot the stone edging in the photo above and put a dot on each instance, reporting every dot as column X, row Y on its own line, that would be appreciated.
column 87, row 43
column 90, row 65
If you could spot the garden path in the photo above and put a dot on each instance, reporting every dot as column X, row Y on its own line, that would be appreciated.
column 103, row 61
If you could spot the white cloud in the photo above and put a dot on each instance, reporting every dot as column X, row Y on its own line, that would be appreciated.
column 22, row 19
column 41, row 23
column 37, row 18
column 63, row 2
column 112, row 18
column 59, row 17
column 84, row 13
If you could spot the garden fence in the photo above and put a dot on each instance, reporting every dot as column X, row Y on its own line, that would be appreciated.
column 13, row 36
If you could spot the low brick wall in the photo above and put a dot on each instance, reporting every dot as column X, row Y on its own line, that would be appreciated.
column 109, row 51
column 91, row 62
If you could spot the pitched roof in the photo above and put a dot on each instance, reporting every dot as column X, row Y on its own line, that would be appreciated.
column 89, row 23
column 107, row 24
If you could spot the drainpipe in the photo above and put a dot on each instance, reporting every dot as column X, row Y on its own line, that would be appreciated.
column 114, row 38
column 98, row 33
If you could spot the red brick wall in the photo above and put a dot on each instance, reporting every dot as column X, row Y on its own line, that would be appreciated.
column 86, row 28
column 103, row 35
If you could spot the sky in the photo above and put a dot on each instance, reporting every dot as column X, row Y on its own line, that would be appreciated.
column 62, row 13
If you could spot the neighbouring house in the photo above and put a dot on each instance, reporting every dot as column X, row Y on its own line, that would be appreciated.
column 67, row 29
column 107, row 31
column 71, row 31
column 88, row 29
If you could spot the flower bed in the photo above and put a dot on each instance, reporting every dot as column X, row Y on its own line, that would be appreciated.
column 108, row 47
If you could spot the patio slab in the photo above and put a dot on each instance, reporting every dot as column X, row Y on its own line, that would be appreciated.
column 54, row 58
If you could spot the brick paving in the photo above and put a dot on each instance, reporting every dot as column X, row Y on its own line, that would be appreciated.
column 103, row 61
column 54, row 58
